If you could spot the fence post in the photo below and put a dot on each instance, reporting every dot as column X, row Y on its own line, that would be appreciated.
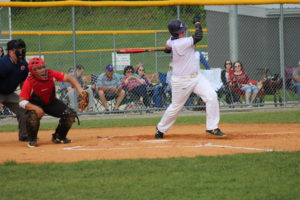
column 74, row 55
column 178, row 12
column 115, row 56
column 233, row 32
column 156, row 59
column 281, row 45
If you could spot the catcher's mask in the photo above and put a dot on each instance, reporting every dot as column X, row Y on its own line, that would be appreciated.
column 176, row 27
column 37, row 68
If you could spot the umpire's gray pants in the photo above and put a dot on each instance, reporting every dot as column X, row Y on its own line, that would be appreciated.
column 12, row 102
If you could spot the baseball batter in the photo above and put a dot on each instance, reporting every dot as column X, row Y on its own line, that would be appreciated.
column 38, row 97
column 187, row 79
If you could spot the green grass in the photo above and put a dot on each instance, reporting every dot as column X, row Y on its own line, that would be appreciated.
column 253, row 117
column 273, row 175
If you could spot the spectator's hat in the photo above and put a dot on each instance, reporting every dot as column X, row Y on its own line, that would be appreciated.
column 109, row 68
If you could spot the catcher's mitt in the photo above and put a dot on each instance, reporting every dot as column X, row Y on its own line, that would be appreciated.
column 83, row 100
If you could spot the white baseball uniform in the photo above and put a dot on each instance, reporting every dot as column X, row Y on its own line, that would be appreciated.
column 185, row 80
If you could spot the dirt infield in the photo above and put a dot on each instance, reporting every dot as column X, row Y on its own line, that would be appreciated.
column 138, row 142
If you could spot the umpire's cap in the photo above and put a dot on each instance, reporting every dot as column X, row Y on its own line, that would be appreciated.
column 14, row 44
column 176, row 27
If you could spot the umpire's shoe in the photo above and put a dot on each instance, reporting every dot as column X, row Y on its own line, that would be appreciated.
column 32, row 144
column 216, row 132
column 56, row 140
column 158, row 134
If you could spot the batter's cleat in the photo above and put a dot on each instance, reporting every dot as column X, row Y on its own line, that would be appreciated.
column 216, row 132
column 56, row 140
column 32, row 144
column 158, row 134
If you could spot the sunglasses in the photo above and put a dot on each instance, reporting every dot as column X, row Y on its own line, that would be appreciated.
column 129, row 71
column 237, row 65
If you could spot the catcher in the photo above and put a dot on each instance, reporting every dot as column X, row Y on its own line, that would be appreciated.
column 38, row 97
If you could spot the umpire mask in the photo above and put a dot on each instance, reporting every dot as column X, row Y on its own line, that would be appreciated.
column 20, row 44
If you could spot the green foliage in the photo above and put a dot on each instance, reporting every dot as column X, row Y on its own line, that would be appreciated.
column 273, row 175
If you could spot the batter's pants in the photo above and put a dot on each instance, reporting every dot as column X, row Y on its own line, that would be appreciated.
column 182, row 87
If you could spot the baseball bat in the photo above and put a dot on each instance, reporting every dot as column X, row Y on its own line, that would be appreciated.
column 120, row 51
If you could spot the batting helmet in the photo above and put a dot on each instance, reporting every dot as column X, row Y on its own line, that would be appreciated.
column 176, row 27
column 35, row 64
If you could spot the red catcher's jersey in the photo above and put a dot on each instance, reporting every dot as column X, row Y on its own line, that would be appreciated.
column 43, row 89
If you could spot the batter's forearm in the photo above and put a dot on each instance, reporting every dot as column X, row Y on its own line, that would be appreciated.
column 198, row 34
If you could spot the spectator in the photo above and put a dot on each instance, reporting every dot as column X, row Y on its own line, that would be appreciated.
column 296, row 76
column 241, row 80
column 168, row 79
column 200, row 57
column 2, row 54
column 231, row 97
column 140, row 71
column 71, row 91
column 13, row 72
column 63, row 85
column 136, row 85
column 110, row 87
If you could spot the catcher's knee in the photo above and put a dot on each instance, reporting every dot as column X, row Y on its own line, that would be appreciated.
column 32, row 120
column 68, row 117
column 32, row 124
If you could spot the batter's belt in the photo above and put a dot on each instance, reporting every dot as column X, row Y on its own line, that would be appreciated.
column 193, row 75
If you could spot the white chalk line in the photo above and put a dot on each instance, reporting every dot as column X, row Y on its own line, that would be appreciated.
column 83, row 148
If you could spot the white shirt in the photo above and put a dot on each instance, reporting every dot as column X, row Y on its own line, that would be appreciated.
column 183, row 52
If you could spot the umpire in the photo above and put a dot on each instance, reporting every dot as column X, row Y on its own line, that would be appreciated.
column 13, row 72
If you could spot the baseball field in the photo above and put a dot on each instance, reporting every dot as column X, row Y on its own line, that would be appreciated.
column 119, row 159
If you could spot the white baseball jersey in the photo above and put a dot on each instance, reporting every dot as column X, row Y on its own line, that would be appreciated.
column 184, row 62
column 185, row 80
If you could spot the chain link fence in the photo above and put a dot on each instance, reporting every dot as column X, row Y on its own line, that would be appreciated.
column 251, row 36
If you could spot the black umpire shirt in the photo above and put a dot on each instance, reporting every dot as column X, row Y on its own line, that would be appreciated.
column 11, row 75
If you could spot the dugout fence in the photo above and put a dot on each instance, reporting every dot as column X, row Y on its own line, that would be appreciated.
column 262, row 34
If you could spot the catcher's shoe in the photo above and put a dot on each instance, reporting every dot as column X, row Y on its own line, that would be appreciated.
column 32, row 144
column 216, row 132
column 56, row 140
column 158, row 134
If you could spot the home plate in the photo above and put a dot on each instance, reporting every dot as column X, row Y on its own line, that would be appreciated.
column 156, row 141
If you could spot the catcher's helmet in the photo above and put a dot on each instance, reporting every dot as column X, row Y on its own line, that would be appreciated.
column 176, row 27
column 34, row 65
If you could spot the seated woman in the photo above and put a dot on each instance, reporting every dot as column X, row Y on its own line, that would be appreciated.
column 240, row 80
column 135, row 85
column 141, row 72
column 231, row 97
